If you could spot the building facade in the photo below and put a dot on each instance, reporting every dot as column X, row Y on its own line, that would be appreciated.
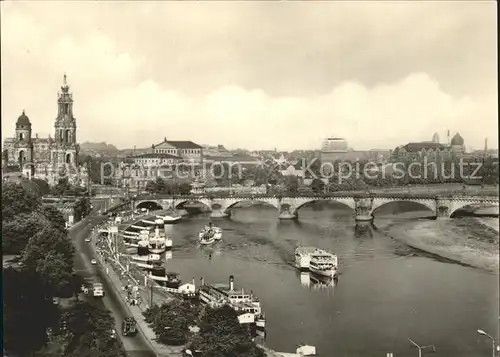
column 337, row 149
column 187, row 150
column 431, row 150
column 49, row 159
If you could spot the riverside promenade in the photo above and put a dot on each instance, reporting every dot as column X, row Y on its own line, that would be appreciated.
column 119, row 277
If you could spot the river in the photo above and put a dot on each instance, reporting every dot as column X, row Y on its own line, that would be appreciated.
column 386, row 293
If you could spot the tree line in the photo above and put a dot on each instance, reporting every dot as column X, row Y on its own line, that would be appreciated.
column 214, row 332
column 34, row 324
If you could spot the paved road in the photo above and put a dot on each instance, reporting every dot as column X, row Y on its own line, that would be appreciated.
column 135, row 346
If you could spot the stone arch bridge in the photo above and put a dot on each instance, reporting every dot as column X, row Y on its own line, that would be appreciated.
column 363, row 206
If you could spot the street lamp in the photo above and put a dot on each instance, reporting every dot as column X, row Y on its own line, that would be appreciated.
column 481, row 332
column 420, row 348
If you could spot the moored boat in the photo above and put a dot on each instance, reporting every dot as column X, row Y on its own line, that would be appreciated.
column 164, row 278
column 246, row 304
column 150, row 258
column 157, row 241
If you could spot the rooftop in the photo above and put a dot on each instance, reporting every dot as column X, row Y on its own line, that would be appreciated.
column 155, row 156
column 413, row 147
column 180, row 144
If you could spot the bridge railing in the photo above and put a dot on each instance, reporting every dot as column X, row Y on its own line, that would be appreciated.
column 420, row 192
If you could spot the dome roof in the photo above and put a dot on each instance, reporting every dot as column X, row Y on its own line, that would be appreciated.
column 23, row 120
column 457, row 140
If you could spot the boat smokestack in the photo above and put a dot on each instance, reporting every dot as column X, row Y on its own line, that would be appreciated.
column 202, row 281
column 231, row 282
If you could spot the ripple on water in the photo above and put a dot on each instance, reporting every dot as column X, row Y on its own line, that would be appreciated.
column 384, row 295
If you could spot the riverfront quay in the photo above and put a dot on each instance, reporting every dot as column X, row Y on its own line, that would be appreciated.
column 386, row 292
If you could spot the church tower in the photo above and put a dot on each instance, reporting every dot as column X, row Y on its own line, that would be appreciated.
column 23, row 146
column 66, row 149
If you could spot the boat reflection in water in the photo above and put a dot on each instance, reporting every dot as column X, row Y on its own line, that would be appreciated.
column 317, row 282
column 210, row 251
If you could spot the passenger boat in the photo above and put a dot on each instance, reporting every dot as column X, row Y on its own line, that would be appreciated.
column 164, row 278
column 150, row 258
column 172, row 218
column 210, row 234
column 157, row 241
column 303, row 257
column 323, row 263
column 316, row 261
column 247, row 305
column 143, row 254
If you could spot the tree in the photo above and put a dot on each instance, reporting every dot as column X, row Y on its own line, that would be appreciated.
column 317, row 185
column 185, row 188
column 28, row 312
column 61, row 187
column 54, row 216
column 292, row 184
column 43, row 186
column 171, row 321
column 221, row 335
column 151, row 187
column 50, row 253
column 17, row 231
column 56, row 272
column 16, row 200
column 82, row 208
column 89, row 330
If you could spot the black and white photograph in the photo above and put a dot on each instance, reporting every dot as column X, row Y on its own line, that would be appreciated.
column 268, row 178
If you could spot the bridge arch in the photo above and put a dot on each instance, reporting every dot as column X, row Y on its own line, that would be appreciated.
column 253, row 201
column 460, row 205
column 149, row 205
column 178, row 203
column 342, row 202
column 428, row 204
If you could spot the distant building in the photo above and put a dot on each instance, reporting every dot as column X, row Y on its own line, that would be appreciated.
column 336, row 149
column 432, row 150
column 231, row 160
column 216, row 151
column 155, row 160
column 187, row 150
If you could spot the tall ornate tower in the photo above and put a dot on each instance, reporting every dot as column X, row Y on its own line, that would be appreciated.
column 23, row 146
column 66, row 149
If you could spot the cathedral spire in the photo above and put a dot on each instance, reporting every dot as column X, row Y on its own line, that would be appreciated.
column 65, row 86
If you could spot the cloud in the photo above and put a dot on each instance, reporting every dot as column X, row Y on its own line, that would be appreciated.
column 341, row 70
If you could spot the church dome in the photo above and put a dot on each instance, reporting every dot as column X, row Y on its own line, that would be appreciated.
column 457, row 140
column 23, row 120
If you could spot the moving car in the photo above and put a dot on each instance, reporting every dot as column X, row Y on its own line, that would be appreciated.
column 87, row 239
column 93, row 262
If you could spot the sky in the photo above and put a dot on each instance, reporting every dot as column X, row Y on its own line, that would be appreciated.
column 255, row 75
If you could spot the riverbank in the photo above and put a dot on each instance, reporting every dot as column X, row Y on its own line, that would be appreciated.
column 467, row 241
